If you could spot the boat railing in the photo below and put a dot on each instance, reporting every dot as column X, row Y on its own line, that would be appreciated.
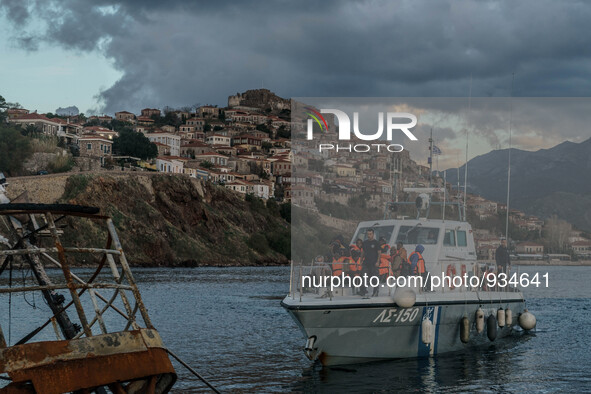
column 83, row 302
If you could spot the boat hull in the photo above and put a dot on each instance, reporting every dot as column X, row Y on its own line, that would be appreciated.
column 346, row 334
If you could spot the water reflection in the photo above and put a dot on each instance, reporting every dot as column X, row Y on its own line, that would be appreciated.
column 486, row 366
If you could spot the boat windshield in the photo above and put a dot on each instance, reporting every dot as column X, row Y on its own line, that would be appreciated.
column 380, row 232
column 418, row 235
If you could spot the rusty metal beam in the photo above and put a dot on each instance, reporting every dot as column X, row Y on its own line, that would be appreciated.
column 14, row 252
column 127, row 273
column 68, row 275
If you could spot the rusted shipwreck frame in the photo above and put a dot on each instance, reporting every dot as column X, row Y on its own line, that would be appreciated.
column 86, row 357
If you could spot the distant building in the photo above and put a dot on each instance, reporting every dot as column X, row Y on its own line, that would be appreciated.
column 218, row 139
column 345, row 170
column 208, row 111
column 13, row 113
column 249, row 142
column 194, row 148
column 101, row 131
column 95, row 146
column 45, row 125
column 168, row 128
column 125, row 116
column 213, row 158
column 149, row 112
column 529, row 248
column 197, row 123
column 145, row 120
column 170, row 164
column 281, row 167
column 172, row 140
column 101, row 118
column 582, row 248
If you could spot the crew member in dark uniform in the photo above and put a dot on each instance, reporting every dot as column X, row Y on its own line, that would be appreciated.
column 370, row 255
column 502, row 257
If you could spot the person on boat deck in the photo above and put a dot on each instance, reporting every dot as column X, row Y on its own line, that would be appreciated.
column 383, row 264
column 432, row 238
column 338, row 244
column 502, row 257
column 356, row 248
column 417, row 262
column 399, row 259
column 369, row 255
column 337, row 263
column 341, row 263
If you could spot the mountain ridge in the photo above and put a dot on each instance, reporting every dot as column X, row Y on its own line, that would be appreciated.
column 543, row 182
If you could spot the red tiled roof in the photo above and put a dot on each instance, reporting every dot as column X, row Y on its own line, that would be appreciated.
column 172, row 158
column 210, row 154
column 195, row 144
column 33, row 116
column 94, row 137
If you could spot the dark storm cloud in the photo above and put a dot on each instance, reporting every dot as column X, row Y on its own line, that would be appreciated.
column 185, row 52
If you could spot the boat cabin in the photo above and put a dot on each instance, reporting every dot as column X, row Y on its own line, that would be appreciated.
column 445, row 241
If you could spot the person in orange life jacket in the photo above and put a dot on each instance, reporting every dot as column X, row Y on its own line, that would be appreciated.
column 341, row 264
column 416, row 260
column 417, row 263
column 356, row 249
column 399, row 260
column 383, row 264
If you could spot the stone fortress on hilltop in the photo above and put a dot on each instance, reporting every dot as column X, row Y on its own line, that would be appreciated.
column 260, row 99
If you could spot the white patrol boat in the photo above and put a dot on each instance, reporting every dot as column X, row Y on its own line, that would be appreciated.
column 405, row 322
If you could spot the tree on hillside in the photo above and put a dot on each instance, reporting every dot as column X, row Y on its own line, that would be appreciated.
column 30, row 130
column 556, row 233
column 283, row 132
column 263, row 127
column 130, row 143
column 14, row 149
column 121, row 126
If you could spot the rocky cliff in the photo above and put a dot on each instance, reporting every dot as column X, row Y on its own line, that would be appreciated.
column 176, row 220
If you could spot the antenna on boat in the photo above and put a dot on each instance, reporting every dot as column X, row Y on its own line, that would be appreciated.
column 509, row 162
column 466, row 165
column 431, row 159
column 444, row 194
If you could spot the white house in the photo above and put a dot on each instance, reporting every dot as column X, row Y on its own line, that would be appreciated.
column 218, row 139
column 172, row 164
column 171, row 140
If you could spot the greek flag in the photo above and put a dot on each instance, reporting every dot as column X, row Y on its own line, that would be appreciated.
column 436, row 150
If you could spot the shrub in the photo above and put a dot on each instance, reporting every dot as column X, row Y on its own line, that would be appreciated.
column 62, row 163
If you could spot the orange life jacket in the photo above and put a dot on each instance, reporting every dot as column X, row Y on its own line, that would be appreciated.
column 355, row 265
column 420, row 263
column 384, row 267
column 339, row 265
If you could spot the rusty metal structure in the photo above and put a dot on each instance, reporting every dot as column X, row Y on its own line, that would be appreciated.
column 104, row 339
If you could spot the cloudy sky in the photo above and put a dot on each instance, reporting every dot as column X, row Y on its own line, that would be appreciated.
column 105, row 56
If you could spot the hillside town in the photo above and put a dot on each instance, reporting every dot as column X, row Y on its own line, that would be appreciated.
column 252, row 147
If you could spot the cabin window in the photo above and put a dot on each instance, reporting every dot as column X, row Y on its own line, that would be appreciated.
column 462, row 238
column 450, row 238
column 380, row 232
column 418, row 235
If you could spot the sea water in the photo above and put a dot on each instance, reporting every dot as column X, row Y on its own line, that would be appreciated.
column 227, row 323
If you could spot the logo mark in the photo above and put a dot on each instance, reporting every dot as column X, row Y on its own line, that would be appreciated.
column 315, row 115
column 391, row 123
